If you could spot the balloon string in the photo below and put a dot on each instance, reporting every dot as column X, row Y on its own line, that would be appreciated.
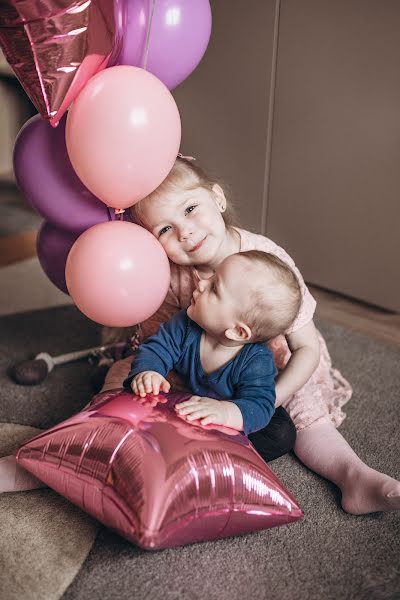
column 119, row 212
column 146, row 48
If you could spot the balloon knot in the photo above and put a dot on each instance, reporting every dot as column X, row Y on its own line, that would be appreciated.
column 119, row 211
column 187, row 158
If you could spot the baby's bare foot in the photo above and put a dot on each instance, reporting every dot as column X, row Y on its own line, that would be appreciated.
column 370, row 491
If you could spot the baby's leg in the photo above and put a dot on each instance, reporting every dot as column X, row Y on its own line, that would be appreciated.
column 14, row 478
column 277, row 438
column 324, row 450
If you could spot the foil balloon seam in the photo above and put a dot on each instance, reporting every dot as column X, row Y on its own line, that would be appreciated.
column 123, row 507
column 161, row 535
column 37, row 68
column 117, row 448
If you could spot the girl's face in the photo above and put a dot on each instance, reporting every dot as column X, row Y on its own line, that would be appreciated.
column 189, row 225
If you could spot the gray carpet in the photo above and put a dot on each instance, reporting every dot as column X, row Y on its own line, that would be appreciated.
column 328, row 555
column 67, row 388
column 44, row 538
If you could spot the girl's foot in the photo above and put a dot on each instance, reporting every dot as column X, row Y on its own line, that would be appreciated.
column 368, row 491
column 14, row 478
column 322, row 448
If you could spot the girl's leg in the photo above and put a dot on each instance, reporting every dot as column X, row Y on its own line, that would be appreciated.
column 324, row 450
column 14, row 478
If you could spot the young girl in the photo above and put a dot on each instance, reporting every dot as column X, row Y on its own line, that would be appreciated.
column 189, row 215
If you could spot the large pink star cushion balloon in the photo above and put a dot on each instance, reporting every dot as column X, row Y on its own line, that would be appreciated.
column 156, row 479
column 55, row 46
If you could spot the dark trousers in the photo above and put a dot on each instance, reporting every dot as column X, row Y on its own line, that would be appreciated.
column 277, row 438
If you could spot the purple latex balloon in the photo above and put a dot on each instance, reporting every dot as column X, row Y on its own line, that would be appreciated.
column 53, row 246
column 179, row 34
column 45, row 176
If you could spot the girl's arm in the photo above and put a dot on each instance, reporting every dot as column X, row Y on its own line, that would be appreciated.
column 304, row 345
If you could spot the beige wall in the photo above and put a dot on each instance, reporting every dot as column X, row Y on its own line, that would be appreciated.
column 225, row 103
column 297, row 105
column 334, row 196
column 15, row 109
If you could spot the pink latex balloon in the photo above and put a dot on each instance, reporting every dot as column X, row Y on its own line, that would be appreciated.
column 123, row 135
column 117, row 273
column 55, row 46
column 156, row 479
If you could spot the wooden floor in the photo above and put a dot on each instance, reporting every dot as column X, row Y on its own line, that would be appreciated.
column 14, row 248
column 374, row 322
column 364, row 318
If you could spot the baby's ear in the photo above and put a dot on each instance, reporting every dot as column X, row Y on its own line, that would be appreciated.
column 219, row 197
column 240, row 332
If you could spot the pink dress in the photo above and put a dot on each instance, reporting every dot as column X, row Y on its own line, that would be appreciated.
column 324, row 394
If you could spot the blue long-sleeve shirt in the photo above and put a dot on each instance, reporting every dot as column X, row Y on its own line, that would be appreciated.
column 248, row 379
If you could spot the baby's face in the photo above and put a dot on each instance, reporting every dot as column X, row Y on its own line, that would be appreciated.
column 188, row 224
column 217, row 302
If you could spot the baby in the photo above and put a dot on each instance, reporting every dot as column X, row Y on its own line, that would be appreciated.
column 218, row 345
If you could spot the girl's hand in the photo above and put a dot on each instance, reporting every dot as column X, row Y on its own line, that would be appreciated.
column 208, row 410
column 149, row 382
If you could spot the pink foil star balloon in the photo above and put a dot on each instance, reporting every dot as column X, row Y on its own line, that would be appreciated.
column 156, row 479
column 55, row 46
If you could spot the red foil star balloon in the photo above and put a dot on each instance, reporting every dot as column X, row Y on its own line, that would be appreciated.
column 55, row 46
column 156, row 479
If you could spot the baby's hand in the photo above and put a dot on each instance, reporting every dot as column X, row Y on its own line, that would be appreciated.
column 208, row 410
column 149, row 382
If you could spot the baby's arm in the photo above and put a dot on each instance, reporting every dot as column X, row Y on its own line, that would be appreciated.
column 253, row 401
column 255, row 390
column 208, row 410
column 158, row 354
column 149, row 382
column 304, row 345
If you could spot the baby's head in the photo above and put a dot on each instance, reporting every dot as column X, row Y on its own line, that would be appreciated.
column 252, row 297
column 188, row 213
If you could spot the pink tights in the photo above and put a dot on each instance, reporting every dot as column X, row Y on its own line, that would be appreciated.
column 14, row 478
column 324, row 450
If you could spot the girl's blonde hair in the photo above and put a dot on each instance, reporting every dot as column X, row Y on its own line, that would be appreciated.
column 185, row 175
